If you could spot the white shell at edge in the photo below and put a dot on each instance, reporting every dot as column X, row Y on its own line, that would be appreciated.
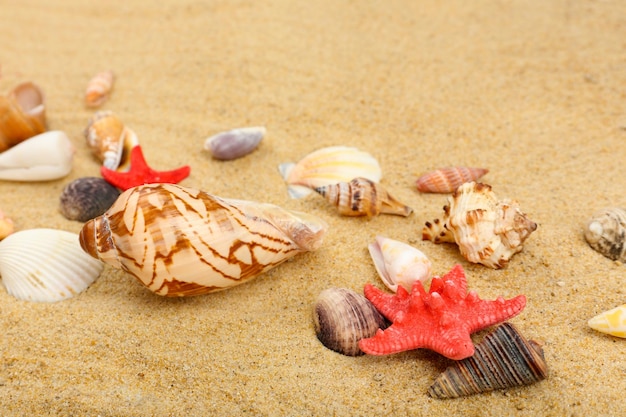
column 327, row 166
column 47, row 156
column 611, row 322
column 46, row 265
column 398, row 263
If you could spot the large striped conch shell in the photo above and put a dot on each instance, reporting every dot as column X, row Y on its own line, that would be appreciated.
column 611, row 322
column 110, row 140
column 488, row 231
column 99, row 89
column 180, row 241
column 328, row 166
column 362, row 197
column 22, row 115
column 446, row 180
column 399, row 264
column 606, row 233
column 47, row 156
column 45, row 265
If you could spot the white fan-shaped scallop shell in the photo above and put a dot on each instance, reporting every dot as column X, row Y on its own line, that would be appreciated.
column 328, row 166
column 45, row 265
column 47, row 156
column 398, row 263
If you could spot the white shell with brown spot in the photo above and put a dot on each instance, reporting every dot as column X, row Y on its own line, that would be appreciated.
column 180, row 241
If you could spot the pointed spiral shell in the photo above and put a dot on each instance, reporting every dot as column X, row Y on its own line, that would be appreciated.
column 362, row 197
column 606, row 233
column 99, row 88
column 446, row 180
column 180, row 241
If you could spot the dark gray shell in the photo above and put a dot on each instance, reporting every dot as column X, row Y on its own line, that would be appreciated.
column 606, row 233
column 503, row 359
column 86, row 198
column 342, row 317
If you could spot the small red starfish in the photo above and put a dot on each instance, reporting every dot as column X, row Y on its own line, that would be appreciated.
column 441, row 320
column 140, row 173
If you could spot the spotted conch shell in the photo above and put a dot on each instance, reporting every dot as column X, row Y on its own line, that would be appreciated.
column 606, row 233
column 22, row 115
column 180, row 241
column 328, row 166
column 488, row 231
column 399, row 264
column 362, row 197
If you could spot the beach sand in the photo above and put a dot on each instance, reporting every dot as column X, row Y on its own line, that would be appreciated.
column 534, row 91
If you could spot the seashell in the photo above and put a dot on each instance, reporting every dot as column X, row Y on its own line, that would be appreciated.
column 503, row 359
column 342, row 317
column 86, row 198
column 488, row 231
column 99, row 89
column 180, row 241
column 6, row 226
column 109, row 140
column 398, row 263
column 47, row 156
column 611, row 322
column 22, row 115
column 234, row 143
column 446, row 180
column 606, row 233
column 362, row 197
column 45, row 265
column 328, row 166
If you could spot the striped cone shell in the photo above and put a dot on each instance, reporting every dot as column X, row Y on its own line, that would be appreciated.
column 180, row 241
column 446, row 180
column 503, row 359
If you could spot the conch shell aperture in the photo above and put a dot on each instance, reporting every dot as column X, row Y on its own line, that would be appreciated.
column 22, row 115
column 180, row 241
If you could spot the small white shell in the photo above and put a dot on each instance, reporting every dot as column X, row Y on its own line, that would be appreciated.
column 47, row 156
column 45, row 265
column 328, row 166
column 398, row 263
column 234, row 143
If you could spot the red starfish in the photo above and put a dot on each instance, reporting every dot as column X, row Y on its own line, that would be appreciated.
column 140, row 173
column 441, row 320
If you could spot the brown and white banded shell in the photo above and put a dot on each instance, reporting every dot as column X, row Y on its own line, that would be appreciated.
column 362, row 197
column 488, row 231
column 342, row 317
column 180, row 241
column 446, row 180
column 504, row 359
column 22, row 115
column 606, row 233
column 109, row 139
column 99, row 89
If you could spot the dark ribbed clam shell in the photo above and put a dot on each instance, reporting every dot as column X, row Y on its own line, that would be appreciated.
column 86, row 198
column 342, row 317
column 503, row 359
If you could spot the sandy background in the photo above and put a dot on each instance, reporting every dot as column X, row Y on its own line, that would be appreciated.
column 533, row 90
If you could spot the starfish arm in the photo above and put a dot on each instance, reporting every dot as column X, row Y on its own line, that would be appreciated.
column 393, row 340
column 454, row 343
column 457, row 276
column 487, row 313
column 388, row 305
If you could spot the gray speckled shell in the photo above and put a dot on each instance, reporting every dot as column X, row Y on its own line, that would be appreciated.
column 234, row 143
column 606, row 233
column 86, row 198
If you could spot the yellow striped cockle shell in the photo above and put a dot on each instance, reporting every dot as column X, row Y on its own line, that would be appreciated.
column 180, row 241
column 611, row 322
column 398, row 263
